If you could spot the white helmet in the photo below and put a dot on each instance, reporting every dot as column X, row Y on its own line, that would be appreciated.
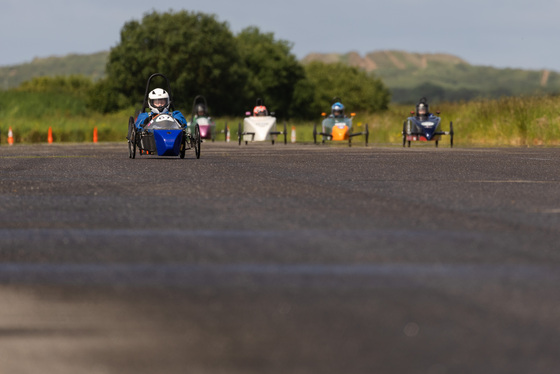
column 158, row 100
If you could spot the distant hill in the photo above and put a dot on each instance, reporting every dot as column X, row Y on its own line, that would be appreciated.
column 386, row 60
column 409, row 76
column 443, row 77
column 90, row 65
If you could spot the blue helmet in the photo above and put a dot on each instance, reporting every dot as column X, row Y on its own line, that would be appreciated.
column 337, row 109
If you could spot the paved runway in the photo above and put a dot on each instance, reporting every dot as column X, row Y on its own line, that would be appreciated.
column 279, row 259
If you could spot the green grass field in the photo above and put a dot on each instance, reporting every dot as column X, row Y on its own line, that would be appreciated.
column 514, row 121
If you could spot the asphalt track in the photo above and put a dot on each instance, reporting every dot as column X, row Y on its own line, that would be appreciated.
column 279, row 259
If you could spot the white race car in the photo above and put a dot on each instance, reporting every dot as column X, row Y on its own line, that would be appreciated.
column 260, row 126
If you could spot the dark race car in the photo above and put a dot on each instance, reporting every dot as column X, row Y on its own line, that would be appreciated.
column 424, row 126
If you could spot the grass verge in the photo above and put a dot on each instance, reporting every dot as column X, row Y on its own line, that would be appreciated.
column 512, row 121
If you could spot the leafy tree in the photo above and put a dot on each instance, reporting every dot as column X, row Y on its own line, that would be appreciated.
column 196, row 52
column 106, row 97
column 304, row 103
column 359, row 90
column 273, row 71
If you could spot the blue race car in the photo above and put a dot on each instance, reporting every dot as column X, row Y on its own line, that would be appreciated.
column 163, row 131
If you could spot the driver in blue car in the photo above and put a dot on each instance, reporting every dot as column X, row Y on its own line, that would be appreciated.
column 337, row 110
column 158, row 101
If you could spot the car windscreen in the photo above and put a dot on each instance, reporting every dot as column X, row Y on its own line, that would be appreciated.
column 163, row 122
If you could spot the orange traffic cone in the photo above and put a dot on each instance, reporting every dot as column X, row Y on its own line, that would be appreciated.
column 95, row 134
column 49, row 136
column 10, row 136
column 293, row 134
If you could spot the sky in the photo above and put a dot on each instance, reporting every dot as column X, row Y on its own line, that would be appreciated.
column 500, row 33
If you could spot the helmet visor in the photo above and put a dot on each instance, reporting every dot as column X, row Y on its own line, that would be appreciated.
column 160, row 103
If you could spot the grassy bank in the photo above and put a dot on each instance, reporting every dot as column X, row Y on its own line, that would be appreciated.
column 65, row 128
column 512, row 121
column 531, row 121
column 30, row 114
column 516, row 121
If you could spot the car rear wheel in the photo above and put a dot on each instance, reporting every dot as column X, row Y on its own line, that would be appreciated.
column 197, row 141
column 451, row 133
column 183, row 145
column 404, row 134
column 239, row 133
column 314, row 133
column 129, row 136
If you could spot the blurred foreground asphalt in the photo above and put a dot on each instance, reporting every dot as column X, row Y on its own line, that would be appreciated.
column 279, row 259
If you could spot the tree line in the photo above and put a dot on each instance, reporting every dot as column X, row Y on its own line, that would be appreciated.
column 201, row 56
